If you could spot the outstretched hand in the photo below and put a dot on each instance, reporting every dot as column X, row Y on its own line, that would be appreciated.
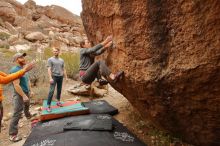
column 29, row 66
column 109, row 38
column 109, row 44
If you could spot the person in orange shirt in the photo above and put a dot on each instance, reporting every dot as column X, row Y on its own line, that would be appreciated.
column 5, row 79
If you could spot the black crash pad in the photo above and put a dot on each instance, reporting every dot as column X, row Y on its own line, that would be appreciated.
column 55, row 126
column 100, row 107
column 54, row 136
column 95, row 122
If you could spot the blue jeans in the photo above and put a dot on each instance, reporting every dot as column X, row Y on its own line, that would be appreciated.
column 57, row 80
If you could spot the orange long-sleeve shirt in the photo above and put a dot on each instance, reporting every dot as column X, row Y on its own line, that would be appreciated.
column 5, row 78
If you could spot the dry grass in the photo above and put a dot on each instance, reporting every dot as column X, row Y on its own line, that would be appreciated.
column 4, row 36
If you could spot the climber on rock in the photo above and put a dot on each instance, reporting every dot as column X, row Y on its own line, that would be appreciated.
column 90, row 69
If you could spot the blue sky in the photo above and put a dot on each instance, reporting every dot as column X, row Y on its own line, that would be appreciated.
column 74, row 6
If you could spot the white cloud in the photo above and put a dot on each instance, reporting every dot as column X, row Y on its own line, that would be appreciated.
column 74, row 6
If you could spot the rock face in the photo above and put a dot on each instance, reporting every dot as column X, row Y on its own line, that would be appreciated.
column 170, row 52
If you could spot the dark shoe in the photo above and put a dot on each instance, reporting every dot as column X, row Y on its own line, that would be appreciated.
column 59, row 104
column 31, row 115
column 48, row 109
column 118, row 76
column 102, row 82
column 14, row 138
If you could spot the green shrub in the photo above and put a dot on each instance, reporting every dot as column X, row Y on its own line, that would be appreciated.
column 39, row 73
column 71, row 64
column 4, row 36
column 41, row 92
column 71, row 61
column 6, row 60
column 7, row 53
column 6, row 46
column 47, row 53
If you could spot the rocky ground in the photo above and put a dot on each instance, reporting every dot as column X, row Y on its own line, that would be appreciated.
column 30, row 26
column 127, row 115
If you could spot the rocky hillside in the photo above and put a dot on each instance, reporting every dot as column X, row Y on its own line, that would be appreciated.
column 170, row 52
column 33, row 26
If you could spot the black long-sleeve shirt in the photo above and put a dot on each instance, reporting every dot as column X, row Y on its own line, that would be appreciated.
column 87, row 56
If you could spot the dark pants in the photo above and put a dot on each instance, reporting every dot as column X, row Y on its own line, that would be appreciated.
column 94, row 71
column 57, row 80
column 19, row 106
column 1, row 115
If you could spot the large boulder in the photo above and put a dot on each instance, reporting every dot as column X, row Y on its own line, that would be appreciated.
column 88, row 90
column 35, row 36
column 170, row 52
column 61, row 14
column 46, row 22
column 26, row 24
column 30, row 4
column 3, row 30
column 18, row 7
column 68, row 38
column 12, row 39
column 7, row 12
column 11, row 28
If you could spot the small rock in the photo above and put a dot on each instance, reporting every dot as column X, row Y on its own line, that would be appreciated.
column 73, row 99
column 5, row 119
column 18, row 47
column 152, row 137
column 9, row 115
column 38, row 109
column 4, row 124
column 77, row 98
